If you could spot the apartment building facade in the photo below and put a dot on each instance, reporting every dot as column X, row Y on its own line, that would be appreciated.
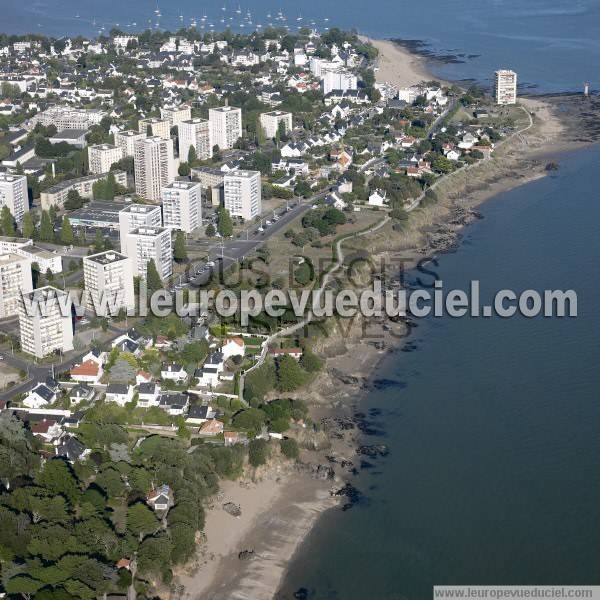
column 182, row 205
column 154, row 166
column 45, row 322
column 243, row 194
column 108, row 278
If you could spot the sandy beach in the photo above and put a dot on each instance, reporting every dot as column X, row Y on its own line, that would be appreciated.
column 398, row 66
column 278, row 510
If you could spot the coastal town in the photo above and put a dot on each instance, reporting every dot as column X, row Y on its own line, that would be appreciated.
column 178, row 162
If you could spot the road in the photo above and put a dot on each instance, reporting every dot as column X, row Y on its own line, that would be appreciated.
column 234, row 250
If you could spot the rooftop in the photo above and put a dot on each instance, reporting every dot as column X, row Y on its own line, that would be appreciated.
column 106, row 258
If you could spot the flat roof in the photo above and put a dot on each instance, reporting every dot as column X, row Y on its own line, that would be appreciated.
column 181, row 185
column 69, row 134
column 98, row 212
column 140, row 208
column 148, row 231
column 106, row 258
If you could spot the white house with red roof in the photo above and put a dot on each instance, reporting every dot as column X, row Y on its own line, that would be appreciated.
column 87, row 372
column 233, row 347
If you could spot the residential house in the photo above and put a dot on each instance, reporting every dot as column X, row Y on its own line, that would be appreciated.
column 73, row 450
column 87, row 372
column 173, row 372
column 148, row 395
column 48, row 430
column 119, row 393
column 160, row 498
column 235, row 437
column 233, row 347
column 39, row 396
column 81, row 393
column 279, row 352
column 200, row 414
column 174, row 404
column 208, row 375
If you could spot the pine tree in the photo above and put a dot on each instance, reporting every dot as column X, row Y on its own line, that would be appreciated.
column 28, row 228
column 179, row 249
column 225, row 225
column 210, row 230
column 7, row 223
column 46, row 228
column 66, row 234
column 98, row 241
column 192, row 157
column 153, row 280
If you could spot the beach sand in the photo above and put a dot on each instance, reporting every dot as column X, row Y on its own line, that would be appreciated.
column 277, row 513
column 398, row 66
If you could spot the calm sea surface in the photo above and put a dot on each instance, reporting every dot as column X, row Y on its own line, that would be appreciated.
column 553, row 44
column 493, row 473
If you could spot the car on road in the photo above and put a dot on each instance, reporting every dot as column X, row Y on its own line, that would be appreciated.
column 210, row 263
column 267, row 223
column 260, row 230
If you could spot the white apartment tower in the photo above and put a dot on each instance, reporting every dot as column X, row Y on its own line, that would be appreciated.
column 126, row 141
column 505, row 86
column 182, row 205
column 108, row 278
column 196, row 133
column 176, row 115
column 154, row 166
column 270, row 122
column 225, row 126
column 338, row 79
column 158, row 127
column 13, row 193
column 102, row 156
column 45, row 322
column 135, row 216
column 243, row 194
column 150, row 243
column 15, row 278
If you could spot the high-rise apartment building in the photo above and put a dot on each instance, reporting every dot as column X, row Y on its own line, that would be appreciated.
column 126, row 141
column 102, row 156
column 271, row 121
column 108, row 278
column 155, row 127
column 45, row 322
column 134, row 216
column 243, row 194
column 176, row 114
column 182, row 205
column 505, row 86
column 150, row 243
column 225, row 126
column 196, row 133
column 154, row 166
column 13, row 193
column 15, row 279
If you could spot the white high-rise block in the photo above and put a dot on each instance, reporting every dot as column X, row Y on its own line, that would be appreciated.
column 196, row 133
column 15, row 279
column 225, row 126
column 270, row 122
column 158, row 127
column 108, row 278
column 176, row 115
column 182, row 205
column 126, row 141
column 505, row 86
column 135, row 216
column 150, row 243
column 13, row 193
column 243, row 194
column 102, row 156
column 154, row 166
column 45, row 322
